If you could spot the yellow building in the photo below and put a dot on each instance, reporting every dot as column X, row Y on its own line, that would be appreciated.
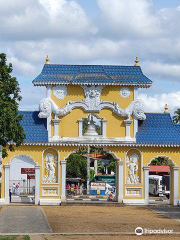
column 133, row 137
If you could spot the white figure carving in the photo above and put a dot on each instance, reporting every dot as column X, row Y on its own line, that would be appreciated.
column 51, row 163
column 92, row 94
column 139, row 109
column 132, row 164
column 125, row 92
column 60, row 91
column 45, row 108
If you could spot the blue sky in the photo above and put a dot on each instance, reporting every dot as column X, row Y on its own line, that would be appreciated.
column 94, row 32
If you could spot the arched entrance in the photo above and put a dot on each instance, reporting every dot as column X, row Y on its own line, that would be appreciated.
column 105, row 175
column 22, row 180
column 162, row 184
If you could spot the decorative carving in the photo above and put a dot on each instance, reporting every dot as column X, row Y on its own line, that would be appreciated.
column 134, row 191
column 45, row 108
column 125, row 92
column 92, row 104
column 51, row 163
column 138, row 110
column 92, row 94
column 60, row 91
column 132, row 164
column 47, row 191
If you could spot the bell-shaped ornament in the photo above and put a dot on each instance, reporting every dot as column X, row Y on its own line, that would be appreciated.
column 91, row 129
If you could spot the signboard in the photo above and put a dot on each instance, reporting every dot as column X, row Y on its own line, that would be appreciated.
column 27, row 171
column 30, row 176
column 98, row 186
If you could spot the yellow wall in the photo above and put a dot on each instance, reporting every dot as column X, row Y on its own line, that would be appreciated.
column 148, row 153
column 68, row 126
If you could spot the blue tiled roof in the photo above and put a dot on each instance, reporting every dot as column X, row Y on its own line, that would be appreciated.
column 34, row 127
column 158, row 128
column 91, row 74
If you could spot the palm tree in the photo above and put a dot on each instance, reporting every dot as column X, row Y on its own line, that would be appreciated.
column 176, row 117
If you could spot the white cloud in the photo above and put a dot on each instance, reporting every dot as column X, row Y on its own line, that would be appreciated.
column 127, row 18
column 157, row 102
column 38, row 19
column 123, row 29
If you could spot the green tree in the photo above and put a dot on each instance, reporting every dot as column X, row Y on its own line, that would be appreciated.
column 112, row 166
column 159, row 161
column 76, row 166
column 11, row 131
column 92, row 172
column 176, row 117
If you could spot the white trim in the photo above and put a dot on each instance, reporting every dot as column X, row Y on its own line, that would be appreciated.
column 175, row 185
column 135, row 92
column 134, row 201
column 63, row 180
column 48, row 95
column 45, row 83
column 135, row 120
column 23, row 155
column 48, row 91
column 93, row 139
column 42, row 164
column 141, row 178
column 50, row 201
column 100, row 143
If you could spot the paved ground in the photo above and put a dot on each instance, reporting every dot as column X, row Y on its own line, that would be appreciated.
column 23, row 219
column 167, row 210
column 67, row 219
column 111, row 237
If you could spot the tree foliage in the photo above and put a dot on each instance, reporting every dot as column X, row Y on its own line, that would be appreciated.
column 176, row 117
column 11, row 130
column 76, row 166
column 159, row 161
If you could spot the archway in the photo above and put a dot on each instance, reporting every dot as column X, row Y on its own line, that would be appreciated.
column 104, row 175
column 22, row 180
column 163, row 182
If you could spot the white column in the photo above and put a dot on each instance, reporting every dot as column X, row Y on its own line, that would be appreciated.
column 37, row 183
column 96, row 166
column 135, row 120
column 146, row 184
column 104, row 128
column 63, row 181
column 56, row 122
column 48, row 95
column 119, row 181
column 80, row 125
column 6, row 183
column 128, row 123
column 176, row 185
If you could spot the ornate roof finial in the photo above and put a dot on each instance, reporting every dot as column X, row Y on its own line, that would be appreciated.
column 47, row 60
column 136, row 62
column 166, row 108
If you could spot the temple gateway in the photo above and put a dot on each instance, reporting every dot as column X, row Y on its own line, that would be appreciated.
column 132, row 136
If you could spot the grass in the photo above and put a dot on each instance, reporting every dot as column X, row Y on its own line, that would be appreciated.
column 26, row 237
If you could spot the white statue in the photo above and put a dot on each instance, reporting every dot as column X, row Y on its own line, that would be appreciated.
column 132, row 164
column 50, row 167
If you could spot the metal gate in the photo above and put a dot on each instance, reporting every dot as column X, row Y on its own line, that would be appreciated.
column 22, row 191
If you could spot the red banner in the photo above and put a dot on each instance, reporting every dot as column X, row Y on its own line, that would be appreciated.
column 30, row 176
column 27, row 171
